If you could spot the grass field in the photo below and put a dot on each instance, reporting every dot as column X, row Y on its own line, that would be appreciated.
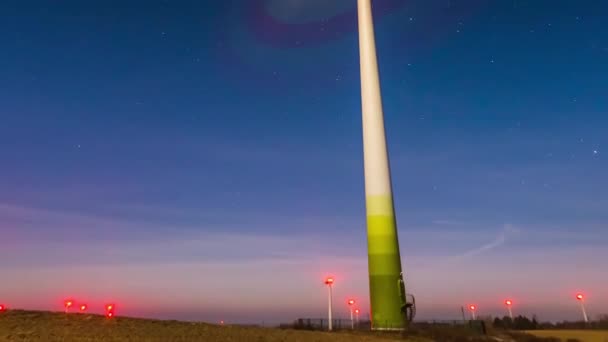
column 581, row 335
column 49, row 327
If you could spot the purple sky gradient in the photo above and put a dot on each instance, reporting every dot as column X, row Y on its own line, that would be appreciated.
column 268, row 277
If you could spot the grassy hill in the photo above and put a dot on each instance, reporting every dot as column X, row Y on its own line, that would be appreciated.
column 580, row 335
column 18, row 325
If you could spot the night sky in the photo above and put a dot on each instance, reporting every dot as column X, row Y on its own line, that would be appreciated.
column 203, row 159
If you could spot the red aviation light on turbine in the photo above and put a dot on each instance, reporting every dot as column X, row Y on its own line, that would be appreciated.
column 83, row 307
column 110, row 310
column 579, row 296
column 508, row 302
column 329, row 281
column 351, row 302
column 67, row 304
column 356, row 311
column 472, row 307
column 2, row 307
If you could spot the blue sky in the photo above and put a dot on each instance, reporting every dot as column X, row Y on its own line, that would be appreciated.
column 202, row 161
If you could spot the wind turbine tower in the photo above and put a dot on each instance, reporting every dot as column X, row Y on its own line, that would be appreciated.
column 387, row 290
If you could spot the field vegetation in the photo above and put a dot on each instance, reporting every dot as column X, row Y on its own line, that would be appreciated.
column 49, row 327
column 573, row 335
column 16, row 325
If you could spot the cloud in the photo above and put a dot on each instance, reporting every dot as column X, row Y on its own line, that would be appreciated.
column 48, row 238
column 26, row 225
column 439, row 248
column 500, row 240
column 142, row 222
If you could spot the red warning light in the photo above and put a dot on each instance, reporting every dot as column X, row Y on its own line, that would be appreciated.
column 2, row 308
column 222, row 322
column 508, row 302
column 110, row 310
column 580, row 296
column 472, row 307
column 68, row 303
column 329, row 281
column 356, row 310
column 351, row 302
column 83, row 307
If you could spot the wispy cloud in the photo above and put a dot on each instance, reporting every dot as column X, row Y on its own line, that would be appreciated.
column 499, row 241
column 436, row 249
column 21, row 224
column 43, row 237
column 507, row 231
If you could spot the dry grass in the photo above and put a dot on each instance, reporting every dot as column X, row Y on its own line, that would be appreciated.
column 50, row 327
column 581, row 335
